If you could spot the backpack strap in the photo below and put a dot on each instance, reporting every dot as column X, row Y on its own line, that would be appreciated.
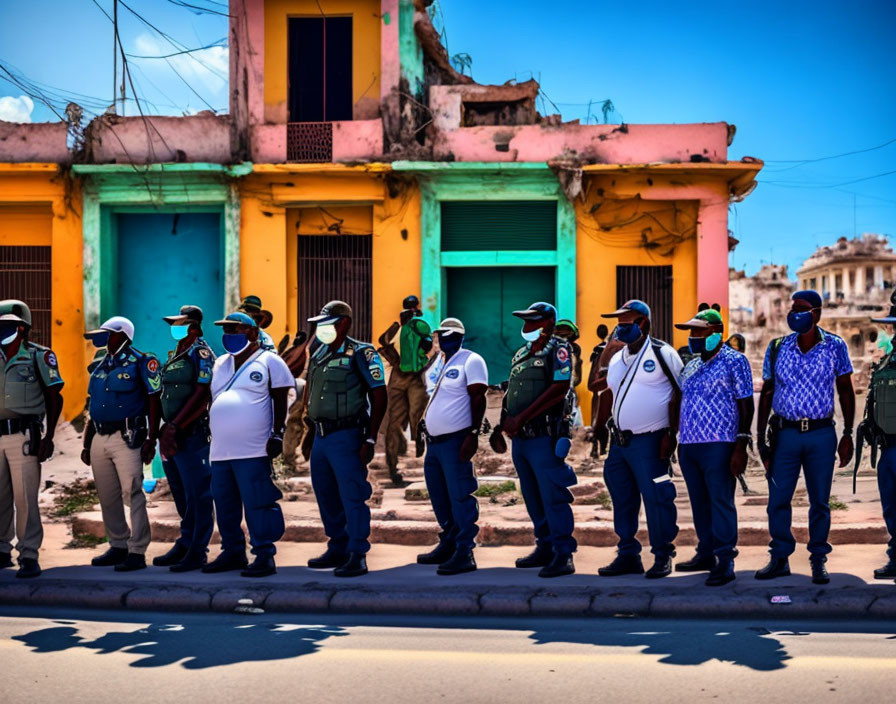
column 658, row 353
column 773, row 358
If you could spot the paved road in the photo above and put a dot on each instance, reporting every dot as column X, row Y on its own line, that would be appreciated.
column 123, row 657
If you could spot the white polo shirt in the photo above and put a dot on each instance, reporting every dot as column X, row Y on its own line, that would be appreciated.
column 449, row 407
column 641, row 389
column 242, row 414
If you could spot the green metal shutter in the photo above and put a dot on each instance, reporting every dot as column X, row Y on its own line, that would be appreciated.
column 499, row 225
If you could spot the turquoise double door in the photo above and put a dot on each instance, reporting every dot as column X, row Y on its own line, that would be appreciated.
column 164, row 261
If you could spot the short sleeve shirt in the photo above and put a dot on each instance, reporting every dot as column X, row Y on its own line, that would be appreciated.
column 641, row 389
column 449, row 408
column 242, row 413
column 709, row 394
column 265, row 341
column 371, row 366
column 804, row 383
column 21, row 379
column 119, row 384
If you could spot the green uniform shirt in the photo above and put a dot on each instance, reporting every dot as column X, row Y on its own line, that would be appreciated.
column 413, row 356
column 23, row 378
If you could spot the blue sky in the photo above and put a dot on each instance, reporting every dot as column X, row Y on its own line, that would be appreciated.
column 801, row 80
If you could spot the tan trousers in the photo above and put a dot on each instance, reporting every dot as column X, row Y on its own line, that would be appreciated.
column 19, row 487
column 118, row 472
column 407, row 401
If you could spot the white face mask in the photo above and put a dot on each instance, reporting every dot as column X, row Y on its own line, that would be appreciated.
column 531, row 336
column 326, row 333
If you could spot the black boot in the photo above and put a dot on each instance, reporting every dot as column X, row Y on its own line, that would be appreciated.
column 461, row 561
column 226, row 562
column 541, row 556
column 698, row 563
column 623, row 564
column 442, row 552
column 721, row 574
column 6, row 560
column 176, row 554
column 662, row 567
column 330, row 559
column 396, row 478
column 354, row 566
column 262, row 566
column 888, row 571
column 131, row 563
column 28, row 568
column 110, row 558
column 192, row 561
column 561, row 565
column 819, row 572
column 776, row 567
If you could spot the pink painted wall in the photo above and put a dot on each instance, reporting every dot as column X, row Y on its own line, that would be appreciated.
column 40, row 141
column 390, row 61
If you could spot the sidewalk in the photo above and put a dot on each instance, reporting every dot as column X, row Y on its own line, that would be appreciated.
column 397, row 585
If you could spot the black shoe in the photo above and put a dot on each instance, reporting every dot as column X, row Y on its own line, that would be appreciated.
column 623, row 564
column 441, row 553
column 888, row 571
column 561, row 565
column 776, row 567
column 354, row 566
column 396, row 478
column 662, row 567
column 461, row 561
column 226, row 562
column 721, row 574
column 819, row 573
column 698, row 563
column 260, row 567
column 110, row 558
column 541, row 556
column 176, row 554
column 28, row 568
column 330, row 559
column 131, row 563
column 190, row 563
column 6, row 560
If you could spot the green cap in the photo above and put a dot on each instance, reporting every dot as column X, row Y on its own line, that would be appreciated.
column 704, row 319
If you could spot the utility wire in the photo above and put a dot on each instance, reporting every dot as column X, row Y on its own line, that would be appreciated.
column 800, row 162
column 198, row 9
column 218, row 43
column 786, row 184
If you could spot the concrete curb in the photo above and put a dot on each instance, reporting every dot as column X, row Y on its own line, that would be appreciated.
column 733, row 601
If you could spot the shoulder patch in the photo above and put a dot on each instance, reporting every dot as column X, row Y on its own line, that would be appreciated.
column 562, row 354
column 152, row 366
column 369, row 353
column 50, row 359
column 204, row 352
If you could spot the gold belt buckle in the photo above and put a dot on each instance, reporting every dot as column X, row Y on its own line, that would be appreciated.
column 804, row 425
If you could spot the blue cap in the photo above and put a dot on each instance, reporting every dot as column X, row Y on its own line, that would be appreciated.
column 237, row 319
column 629, row 306
column 810, row 296
column 537, row 311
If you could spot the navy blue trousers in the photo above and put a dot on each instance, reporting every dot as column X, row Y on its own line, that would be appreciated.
column 247, row 483
column 544, row 482
column 451, row 484
column 339, row 480
column 814, row 452
column 189, row 477
column 886, row 483
column 706, row 467
column 635, row 472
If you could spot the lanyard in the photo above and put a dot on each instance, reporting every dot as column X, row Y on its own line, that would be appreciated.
column 630, row 375
column 439, row 382
column 239, row 371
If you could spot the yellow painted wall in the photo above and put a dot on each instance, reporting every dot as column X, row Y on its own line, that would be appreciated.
column 365, row 47
column 38, row 206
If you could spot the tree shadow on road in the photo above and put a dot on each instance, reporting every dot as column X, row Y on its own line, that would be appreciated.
column 195, row 646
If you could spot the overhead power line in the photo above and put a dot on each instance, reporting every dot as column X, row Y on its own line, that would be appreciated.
column 219, row 42
column 800, row 162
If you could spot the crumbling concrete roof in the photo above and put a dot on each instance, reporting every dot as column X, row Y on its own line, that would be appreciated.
column 865, row 247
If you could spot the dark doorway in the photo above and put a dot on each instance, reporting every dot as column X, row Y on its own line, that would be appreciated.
column 25, row 274
column 336, row 267
column 653, row 285
column 320, row 69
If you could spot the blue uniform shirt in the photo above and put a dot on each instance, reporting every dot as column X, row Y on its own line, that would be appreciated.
column 709, row 394
column 804, row 383
column 120, row 383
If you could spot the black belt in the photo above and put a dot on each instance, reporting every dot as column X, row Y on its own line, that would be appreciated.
column 13, row 426
column 805, row 425
column 110, row 427
column 538, row 427
column 436, row 439
column 325, row 427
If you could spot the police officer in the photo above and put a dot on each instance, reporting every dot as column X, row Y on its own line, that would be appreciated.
column 120, row 438
column 251, row 306
column 879, row 429
column 714, row 431
column 643, row 381
column 407, row 387
column 451, row 426
column 345, row 378
column 800, row 373
column 184, row 440
column 533, row 407
column 30, row 387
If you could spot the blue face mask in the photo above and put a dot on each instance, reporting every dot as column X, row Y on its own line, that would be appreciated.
column 101, row 340
column 179, row 332
column 235, row 342
column 532, row 335
column 699, row 345
column 628, row 332
column 450, row 344
column 800, row 322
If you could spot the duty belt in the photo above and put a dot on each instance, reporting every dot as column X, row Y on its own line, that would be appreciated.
column 537, row 427
column 325, row 427
column 13, row 426
column 114, row 426
column 804, row 425
column 436, row 439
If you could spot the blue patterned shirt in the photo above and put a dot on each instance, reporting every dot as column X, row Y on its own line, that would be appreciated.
column 804, row 383
column 709, row 394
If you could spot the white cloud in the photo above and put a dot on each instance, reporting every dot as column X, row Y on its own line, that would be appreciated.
column 206, row 70
column 16, row 109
